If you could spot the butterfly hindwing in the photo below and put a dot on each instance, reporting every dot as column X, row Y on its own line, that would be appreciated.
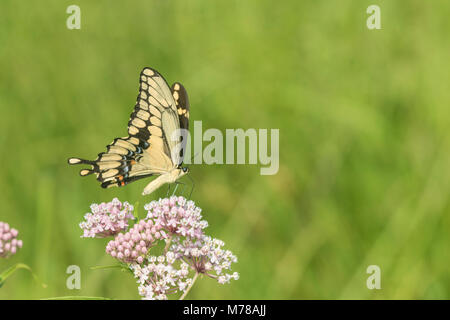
column 116, row 166
column 147, row 149
column 182, row 102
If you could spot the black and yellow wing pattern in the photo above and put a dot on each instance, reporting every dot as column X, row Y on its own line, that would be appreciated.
column 148, row 149
column 182, row 103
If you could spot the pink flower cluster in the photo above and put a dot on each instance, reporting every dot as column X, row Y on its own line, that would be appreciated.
column 176, row 222
column 177, row 216
column 106, row 219
column 159, row 277
column 8, row 240
column 133, row 246
column 206, row 256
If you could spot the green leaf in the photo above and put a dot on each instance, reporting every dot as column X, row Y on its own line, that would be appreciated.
column 122, row 267
column 8, row 272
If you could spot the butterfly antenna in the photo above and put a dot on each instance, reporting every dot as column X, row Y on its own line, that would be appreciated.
column 193, row 157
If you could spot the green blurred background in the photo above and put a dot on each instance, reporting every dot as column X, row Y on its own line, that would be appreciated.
column 364, row 145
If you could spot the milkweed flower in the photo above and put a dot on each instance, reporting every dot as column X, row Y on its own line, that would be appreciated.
column 107, row 219
column 133, row 246
column 9, row 244
column 177, row 216
column 188, row 252
column 159, row 278
column 206, row 256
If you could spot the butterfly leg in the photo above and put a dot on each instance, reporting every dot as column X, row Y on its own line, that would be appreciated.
column 175, row 190
column 168, row 190
column 177, row 183
column 192, row 188
column 183, row 189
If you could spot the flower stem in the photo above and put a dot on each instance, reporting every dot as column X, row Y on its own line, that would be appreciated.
column 168, row 244
column 190, row 286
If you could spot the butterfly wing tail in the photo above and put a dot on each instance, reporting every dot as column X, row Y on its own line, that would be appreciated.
column 83, row 172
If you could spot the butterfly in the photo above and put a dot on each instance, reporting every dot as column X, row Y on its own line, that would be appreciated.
column 156, row 139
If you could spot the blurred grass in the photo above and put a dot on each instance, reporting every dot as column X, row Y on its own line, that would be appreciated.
column 364, row 148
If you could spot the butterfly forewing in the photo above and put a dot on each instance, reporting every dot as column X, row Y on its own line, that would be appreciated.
column 155, row 92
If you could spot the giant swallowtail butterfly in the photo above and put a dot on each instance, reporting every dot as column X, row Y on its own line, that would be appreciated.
column 154, row 145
